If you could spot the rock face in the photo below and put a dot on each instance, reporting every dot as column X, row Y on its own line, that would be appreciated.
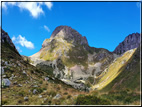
column 5, row 38
column 68, row 34
column 131, row 41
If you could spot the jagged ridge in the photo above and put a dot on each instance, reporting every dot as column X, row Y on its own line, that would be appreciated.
column 130, row 42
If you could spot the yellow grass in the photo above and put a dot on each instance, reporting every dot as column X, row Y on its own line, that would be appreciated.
column 113, row 70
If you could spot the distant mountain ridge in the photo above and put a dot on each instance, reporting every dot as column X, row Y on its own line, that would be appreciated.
column 130, row 42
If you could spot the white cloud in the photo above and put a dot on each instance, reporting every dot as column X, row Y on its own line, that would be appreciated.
column 13, row 38
column 11, row 3
column 4, row 5
column 35, row 8
column 18, row 48
column 23, row 42
column 46, row 28
column 49, row 5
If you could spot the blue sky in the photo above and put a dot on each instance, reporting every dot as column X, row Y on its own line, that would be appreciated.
column 105, row 24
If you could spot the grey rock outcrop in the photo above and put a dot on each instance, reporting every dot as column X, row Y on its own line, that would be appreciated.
column 68, row 34
column 57, row 96
column 6, row 82
column 34, row 91
column 131, row 41
column 2, row 70
column 19, row 85
column 26, row 98
column 5, row 38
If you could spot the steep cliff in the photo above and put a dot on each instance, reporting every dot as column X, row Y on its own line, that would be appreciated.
column 131, row 41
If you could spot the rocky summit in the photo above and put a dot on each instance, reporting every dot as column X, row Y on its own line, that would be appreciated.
column 131, row 41
column 69, row 34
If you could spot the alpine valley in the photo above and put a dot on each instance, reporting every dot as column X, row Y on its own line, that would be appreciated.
column 67, row 71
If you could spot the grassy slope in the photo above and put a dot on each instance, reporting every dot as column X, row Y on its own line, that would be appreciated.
column 77, row 54
column 123, row 90
column 113, row 71
column 14, row 95
column 56, row 44
column 128, row 78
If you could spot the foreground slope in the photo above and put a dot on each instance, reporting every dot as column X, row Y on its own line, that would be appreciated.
column 24, row 84
column 129, row 77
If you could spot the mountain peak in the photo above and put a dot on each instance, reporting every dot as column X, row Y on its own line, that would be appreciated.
column 66, row 29
column 69, row 34
column 130, row 42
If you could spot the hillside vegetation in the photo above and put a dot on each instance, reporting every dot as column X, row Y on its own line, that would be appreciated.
column 113, row 70
column 29, row 85
column 129, row 77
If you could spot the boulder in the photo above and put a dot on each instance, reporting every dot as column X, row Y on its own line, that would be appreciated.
column 40, row 96
column 19, row 85
column 26, row 98
column 34, row 91
column 123, row 62
column 4, row 76
column 46, row 78
column 15, row 82
column 2, row 70
column 24, row 73
column 45, row 99
column 6, row 63
column 29, row 91
column 57, row 96
column 6, row 82
column 35, row 86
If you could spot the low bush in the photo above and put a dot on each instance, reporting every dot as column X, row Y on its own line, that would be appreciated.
column 53, row 93
column 69, row 96
column 40, row 82
column 22, row 93
column 65, row 93
column 3, row 102
column 126, row 96
column 91, row 100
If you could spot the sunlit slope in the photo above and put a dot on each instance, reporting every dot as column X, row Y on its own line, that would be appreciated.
column 57, row 47
column 113, row 70
column 130, row 77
